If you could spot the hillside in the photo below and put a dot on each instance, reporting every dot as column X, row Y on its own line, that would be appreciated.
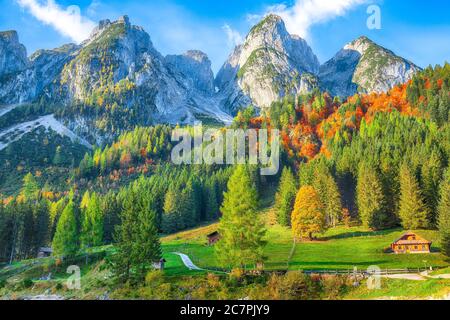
column 340, row 249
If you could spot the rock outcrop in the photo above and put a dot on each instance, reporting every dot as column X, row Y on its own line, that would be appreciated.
column 269, row 65
column 364, row 66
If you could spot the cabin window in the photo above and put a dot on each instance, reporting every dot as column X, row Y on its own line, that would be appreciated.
column 416, row 247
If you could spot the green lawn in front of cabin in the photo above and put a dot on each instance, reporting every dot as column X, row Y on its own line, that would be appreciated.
column 339, row 248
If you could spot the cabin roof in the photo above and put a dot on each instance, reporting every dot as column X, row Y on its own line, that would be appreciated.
column 214, row 234
column 46, row 250
column 403, row 239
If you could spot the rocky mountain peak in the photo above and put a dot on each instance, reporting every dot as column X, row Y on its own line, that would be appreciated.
column 360, row 44
column 195, row 67
column 13, row 54
column 364, row 66
column 269, row 65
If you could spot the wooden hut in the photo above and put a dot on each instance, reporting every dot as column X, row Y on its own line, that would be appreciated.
column 44, row 252
column 213, row 238
column 160, row 264
column 411, row 243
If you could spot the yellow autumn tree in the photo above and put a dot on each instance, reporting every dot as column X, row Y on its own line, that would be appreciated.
column 307, row 218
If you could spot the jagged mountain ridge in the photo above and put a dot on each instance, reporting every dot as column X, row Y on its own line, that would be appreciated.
column 118, row 68
column 364, row 66
column 269, row 65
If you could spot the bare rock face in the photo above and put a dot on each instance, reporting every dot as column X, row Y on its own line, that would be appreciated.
column 268, row 66
column 364, row 66
column 13, row 55
column 195, row 67
column 23, row 79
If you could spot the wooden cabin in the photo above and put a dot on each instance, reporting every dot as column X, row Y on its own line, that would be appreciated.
column 44, row 252
column 213, row 238
column 411, row 243
column 160, row 264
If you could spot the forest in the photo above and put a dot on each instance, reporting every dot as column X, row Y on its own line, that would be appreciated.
column 379, row 160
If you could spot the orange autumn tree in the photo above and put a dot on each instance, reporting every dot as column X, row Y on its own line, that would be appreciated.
column 307, row 218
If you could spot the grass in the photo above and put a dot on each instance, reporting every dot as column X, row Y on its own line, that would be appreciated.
column 402, row 290
column 339, row 248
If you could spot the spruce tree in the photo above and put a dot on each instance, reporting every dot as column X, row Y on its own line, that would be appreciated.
column 92, row 226
column 137, row 239
column 30, row 188
column 444, row 214
column 370, row 198
column 66, row 239
column 171, row 219
column 307, row 217
column 285, row 197
column 329, row 194
column 240, row 227
column 431, row 178
column 212, row 204
column 412, row 212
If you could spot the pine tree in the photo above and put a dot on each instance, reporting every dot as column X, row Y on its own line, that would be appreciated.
column 431, row 177
column 137, row 240
column 171, row 219
column 30, row 188
column 212, row 204
column 92, row 226
column 41, row 225
column 370, row 199
column 66, row 239
column 307, row 217
column 413, row 212
column 240, row 227
column 285, row 197
column 58, row 158
column 328, row 191
column 444, row 214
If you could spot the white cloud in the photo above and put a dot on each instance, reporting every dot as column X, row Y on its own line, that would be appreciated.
column 305, row 13
column 69, row 22
column 233, row 36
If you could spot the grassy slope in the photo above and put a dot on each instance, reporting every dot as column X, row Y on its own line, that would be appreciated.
column 338, row 248
column 403, row 290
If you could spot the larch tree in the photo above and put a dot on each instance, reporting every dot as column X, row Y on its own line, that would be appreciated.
column 329, row 194
column 444, row 214
column 370, row 198
column 307, row 217
column 412, row 211
column 285, row 197
column 30, row 188
column 92, row 225
column 241, row 229
column 171, row 219
column 66, row 239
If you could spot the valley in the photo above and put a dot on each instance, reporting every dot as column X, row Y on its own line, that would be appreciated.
column 87, row 177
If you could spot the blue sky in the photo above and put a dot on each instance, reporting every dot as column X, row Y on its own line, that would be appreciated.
column 417, row 30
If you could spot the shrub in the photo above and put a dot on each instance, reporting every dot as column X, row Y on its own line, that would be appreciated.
column 153, row 277
column 27, row 283
column 333, row 286
column 2, row 283
column 296, row 285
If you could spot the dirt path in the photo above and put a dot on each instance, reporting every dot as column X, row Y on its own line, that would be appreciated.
column 412, row 276
column 188, row 262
